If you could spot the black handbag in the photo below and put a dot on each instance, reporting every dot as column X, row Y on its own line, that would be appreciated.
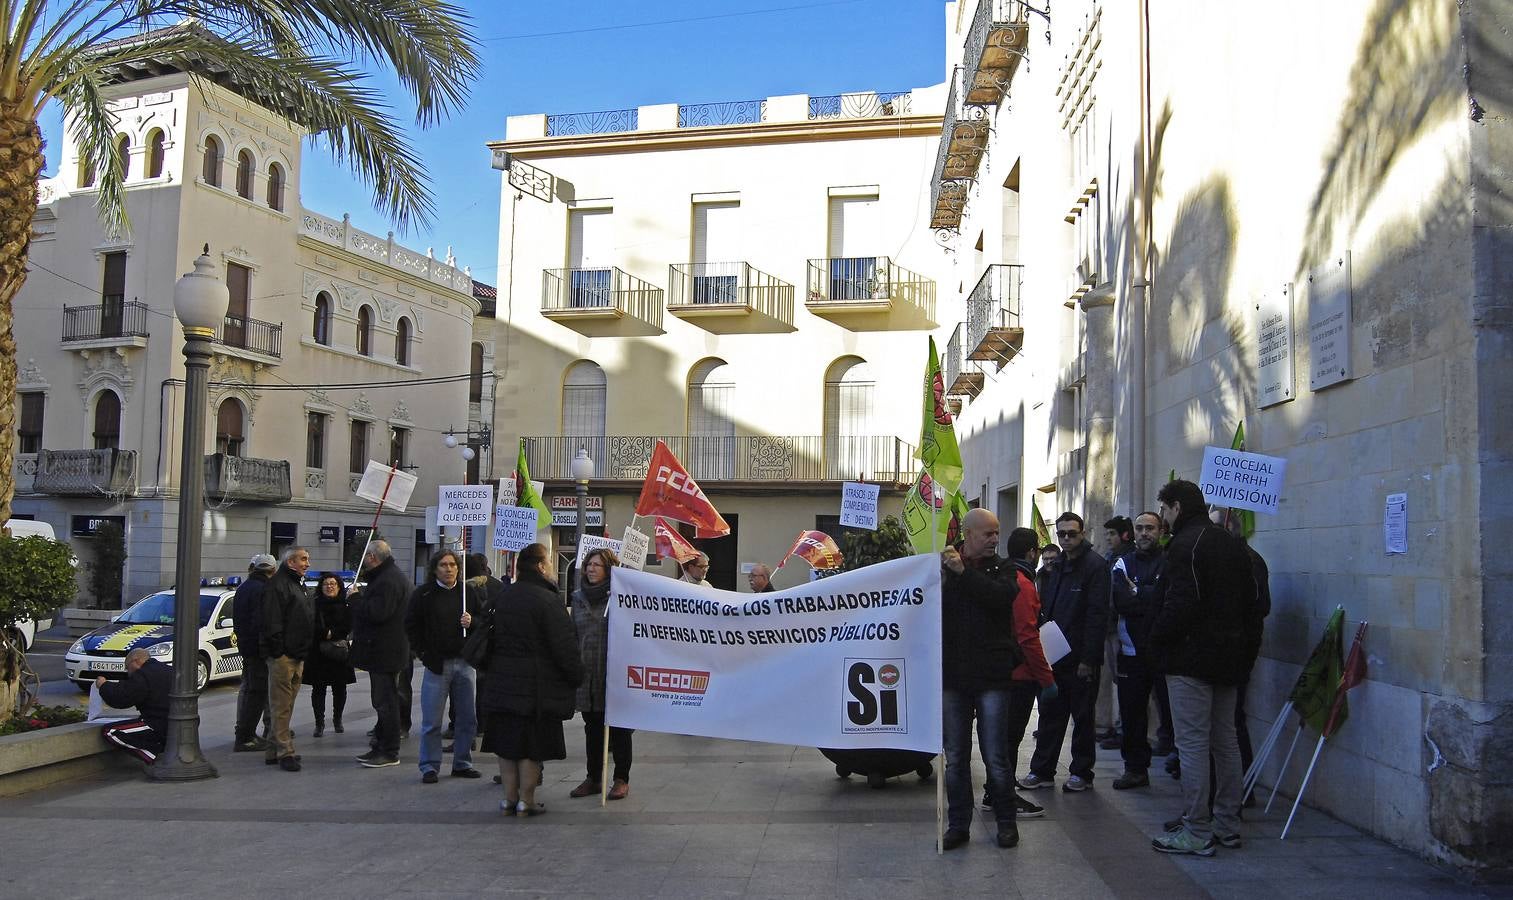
column 478, row 646
column 335, row 650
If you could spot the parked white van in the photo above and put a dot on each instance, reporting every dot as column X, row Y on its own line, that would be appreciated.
column 26, row 630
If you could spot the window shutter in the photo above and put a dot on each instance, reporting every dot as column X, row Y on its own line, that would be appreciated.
column 854, row 227
column 589, row 239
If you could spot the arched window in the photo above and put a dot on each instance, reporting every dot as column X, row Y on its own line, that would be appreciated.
column 583, row 406
column 475, row 374
column 107, row 420
column 321, row 329
column 123, row 156
column 711, row 430
column 244, row 169
column 86, row 174
column 275, row 186
column 155, row 154
column 365, row 331
column 402, row 341
column 848, row 421
column 229, row 436
column 212, row 170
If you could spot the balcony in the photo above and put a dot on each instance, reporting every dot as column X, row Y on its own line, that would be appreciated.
column 599, row 293
column 993, row 331
column 247, row 479
column 963, row 140
column 747, row 460
column 961, row 379
column 258, row 341
column 86, row 473
column 727, row 289
column 114, row 323
column 839, row 285
column 996, row 44
column 857, row 105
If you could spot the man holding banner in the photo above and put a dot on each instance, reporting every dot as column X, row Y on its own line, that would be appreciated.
column 979, row 653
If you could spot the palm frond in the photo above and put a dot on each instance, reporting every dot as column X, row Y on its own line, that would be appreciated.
column 93, row 125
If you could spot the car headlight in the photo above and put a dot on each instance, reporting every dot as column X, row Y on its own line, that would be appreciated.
column 78, row 647
column 161, row 650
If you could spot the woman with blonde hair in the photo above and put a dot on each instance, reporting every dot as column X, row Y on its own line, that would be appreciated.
column 590, row 615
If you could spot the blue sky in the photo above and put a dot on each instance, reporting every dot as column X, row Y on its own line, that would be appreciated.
column 559, row 57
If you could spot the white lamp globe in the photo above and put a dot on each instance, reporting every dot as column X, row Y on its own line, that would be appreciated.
column 199, row 298
column 582, row 467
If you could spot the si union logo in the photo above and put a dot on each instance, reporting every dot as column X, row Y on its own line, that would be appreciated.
column 873, row 697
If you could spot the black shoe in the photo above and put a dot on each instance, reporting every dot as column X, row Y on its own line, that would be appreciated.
column 1025, row 809
column 247, row 746
column 320, row 729
column 1111, row 743
column 448, row 748
column 498, row 780
column 466, row 773
column 289, row 764
column 1008, row 837
column 274, row 760
column 429, row 778
column 1131, row 780
column 373, row 753
column 336, row 726
column 987, row 801
column 380, row 761
column 954, row 839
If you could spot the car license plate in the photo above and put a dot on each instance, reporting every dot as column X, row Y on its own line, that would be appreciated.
column 108, row 665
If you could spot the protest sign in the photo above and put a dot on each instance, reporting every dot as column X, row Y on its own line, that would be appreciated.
column 1242, row 480
column 851, row 661
column 386, row 485
column 637, row 544
column 859, row 505
column 594, row 542
column 465, row 504
column 514, row 527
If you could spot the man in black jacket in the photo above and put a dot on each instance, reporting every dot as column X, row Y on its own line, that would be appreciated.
column 1204, row 639
column 979, row 652
column 146, row 687
column 247, row 628
column 1136, row 587
column 288, row 637
column 1076, row 599
column 440, row 613
column 379, row 646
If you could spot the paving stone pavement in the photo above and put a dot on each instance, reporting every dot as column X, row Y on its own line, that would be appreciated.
column 705, row 818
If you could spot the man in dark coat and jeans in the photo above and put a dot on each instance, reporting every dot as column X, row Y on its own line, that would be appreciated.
column 436, row 623
column 1205, row 638
column 1075, row 597
column 288, row 637
column 247, row 627
column 979, row 652
column 380, row 647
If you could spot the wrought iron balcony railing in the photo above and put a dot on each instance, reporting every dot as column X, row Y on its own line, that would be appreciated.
column 604, row 121
column 993, row 329
column 738, row 458
column 113, row 318
column 963, row 140
column 861, row 105
column 245, row 478
column 86, row 473
column 697, row 286
column 961, row 377
column 731, row 112
column 569, row 293
column 995, row 45
column 243, row 333
column 838, row 282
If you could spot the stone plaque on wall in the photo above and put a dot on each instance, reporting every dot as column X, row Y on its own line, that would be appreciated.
column 1274, row 372
column 1329, row 324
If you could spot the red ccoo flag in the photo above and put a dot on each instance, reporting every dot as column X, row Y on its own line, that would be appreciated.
column 817, row 549
column 670, row 543
column 1353, row 674
column 670, row 491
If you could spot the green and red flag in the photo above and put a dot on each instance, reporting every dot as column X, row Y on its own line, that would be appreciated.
column 1314, row 694
column 526, row 493
column 1037, row 521
column 1353, row 674
column 941, row 467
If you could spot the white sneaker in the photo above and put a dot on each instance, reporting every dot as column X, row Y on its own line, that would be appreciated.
column 1032, row 781
column 1076, row 784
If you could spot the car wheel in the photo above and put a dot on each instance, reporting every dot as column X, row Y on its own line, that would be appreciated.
column 201, row 673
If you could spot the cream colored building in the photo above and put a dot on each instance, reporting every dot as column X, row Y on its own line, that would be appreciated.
column 750, row 282
column 1320, row 191
column 316, row 369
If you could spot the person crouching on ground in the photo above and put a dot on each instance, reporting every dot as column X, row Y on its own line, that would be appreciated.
column 146, row 687
column 590, row 608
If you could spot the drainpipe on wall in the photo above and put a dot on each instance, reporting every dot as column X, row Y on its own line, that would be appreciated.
column 1140, row 287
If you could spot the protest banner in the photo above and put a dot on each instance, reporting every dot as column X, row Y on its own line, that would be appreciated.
column 1242, row 480
column 849, row 662
column 386, row 486
column 636, row 545
column 514, row 527
column 670, row 491
column 859, row 505
column 465, row 504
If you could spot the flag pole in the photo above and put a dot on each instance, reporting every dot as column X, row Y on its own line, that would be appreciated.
column 940, row 771
column 1282, row 772
column 604, row 750
column 1268, row 745
column 376, row 513
column 1318, row 748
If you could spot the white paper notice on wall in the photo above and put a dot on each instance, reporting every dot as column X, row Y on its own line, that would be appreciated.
column 1395, row 524
column 1242, row 480
column 859, row 505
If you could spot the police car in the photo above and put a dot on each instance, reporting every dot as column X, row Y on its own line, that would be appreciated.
column 149, row 623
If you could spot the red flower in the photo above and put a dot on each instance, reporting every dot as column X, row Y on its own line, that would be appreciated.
column 36, row 723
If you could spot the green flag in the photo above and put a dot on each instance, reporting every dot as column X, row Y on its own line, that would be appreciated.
column 1042, row 533
column 941, row 469
column 1247, row 517
column 1313, row 694
column 525, row 492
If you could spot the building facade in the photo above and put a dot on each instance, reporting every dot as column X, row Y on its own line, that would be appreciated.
column 318, row 368
column 1173, row 225
column 752, row 283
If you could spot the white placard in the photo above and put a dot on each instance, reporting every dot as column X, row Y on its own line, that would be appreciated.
column 1395, row 524
column 433, row 531
column 594, row 542
column 859, row 505
column 1242, row 480
column 636, row 545
column 1274, row 371
column 506, row 492
column 465, row 504
column 514, row 527
column 390, row 484
column 1329, row 325
column 852, row 661
column 1053, row 642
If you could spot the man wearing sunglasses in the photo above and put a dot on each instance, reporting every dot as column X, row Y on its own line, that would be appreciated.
column 1076, row 598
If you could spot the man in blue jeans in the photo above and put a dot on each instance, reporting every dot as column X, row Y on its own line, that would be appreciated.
column 441, row 611
column 979, row 654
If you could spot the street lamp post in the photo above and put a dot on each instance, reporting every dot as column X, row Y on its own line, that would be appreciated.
column 582, row 470
column 200, row 300
column 484, row 437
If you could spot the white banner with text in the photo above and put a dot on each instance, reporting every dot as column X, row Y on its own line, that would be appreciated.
column 849, row 662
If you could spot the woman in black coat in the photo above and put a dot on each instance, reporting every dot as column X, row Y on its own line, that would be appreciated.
column 333, row 622
column 534, row 670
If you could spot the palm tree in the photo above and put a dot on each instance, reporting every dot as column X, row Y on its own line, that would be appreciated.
column 299, row 57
